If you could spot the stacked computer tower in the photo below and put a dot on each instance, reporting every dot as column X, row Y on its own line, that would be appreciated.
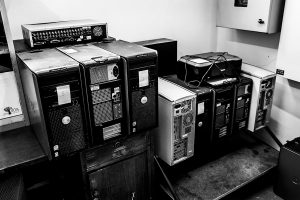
column 262, row 95
column 230, row 98
column 92, row 106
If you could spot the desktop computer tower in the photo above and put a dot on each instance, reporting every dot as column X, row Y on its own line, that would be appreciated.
column 12, row 187
column 166, row 52
column 54, row 98
column 140, row 66
column 288, row 177
column 243, row 92
column 175, row 136
column 204, row 115
column 262, row 95
column 224, row 108
column 103, row 77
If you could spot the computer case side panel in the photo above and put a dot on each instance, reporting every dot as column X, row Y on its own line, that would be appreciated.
column 34, row 106
column 254, row 101
column 163, row 139
column 126, row 95
column 286, row 184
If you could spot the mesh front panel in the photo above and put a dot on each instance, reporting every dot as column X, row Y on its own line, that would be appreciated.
column 220, row 120
column 100, row 96
column 98, row 74
column 69, row 137
column 240, row 113
column 12, row 188
column 220, row 109
column 241, row 103
column 103, row 113
column 144, row 114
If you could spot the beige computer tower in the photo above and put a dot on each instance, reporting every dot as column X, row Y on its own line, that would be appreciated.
column 262, row 95
column 174, row 138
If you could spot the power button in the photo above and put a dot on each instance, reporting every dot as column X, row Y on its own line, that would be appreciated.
column 144, row 100
column 66, row 120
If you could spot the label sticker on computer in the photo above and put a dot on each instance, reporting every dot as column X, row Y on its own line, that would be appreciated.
column 143, row 78
column 69, row 50
column 200, row 108
column 63, row 94
column 199, row 60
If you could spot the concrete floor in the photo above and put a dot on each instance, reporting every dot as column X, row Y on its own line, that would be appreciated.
column 260, row 189
column 265, row 193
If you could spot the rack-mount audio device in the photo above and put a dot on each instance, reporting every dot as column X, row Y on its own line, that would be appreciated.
column 63, row 32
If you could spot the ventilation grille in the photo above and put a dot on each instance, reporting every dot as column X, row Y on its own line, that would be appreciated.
column 188, row 119
column 241, row 103
column 223, row 132
column 68, row 137
column 180, row 149
column 177, row 127
column 220, row 120
column 188, row 104
column 220, row 109
column 98, row 74
column 242, row 124
column 145, row 115
column 239, row 114
column 112, row 131
column 100, row 96
column 103, row 113
column 12, row 188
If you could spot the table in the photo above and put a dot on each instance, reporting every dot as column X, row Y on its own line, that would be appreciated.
column 19, row 148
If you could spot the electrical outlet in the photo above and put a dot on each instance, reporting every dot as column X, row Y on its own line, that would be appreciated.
column 280, row 71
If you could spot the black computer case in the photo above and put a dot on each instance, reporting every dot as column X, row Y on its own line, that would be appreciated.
column 140, row 65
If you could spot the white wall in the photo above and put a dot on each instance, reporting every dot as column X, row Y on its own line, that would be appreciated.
column 261, row 49
column 191, row 23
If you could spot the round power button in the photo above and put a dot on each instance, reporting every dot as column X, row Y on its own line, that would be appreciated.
column 66, row 120
column 144, row 100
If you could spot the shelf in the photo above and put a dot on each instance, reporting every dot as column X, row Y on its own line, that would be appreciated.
column 19, row 148
column 224, row 175
column 8, row 63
